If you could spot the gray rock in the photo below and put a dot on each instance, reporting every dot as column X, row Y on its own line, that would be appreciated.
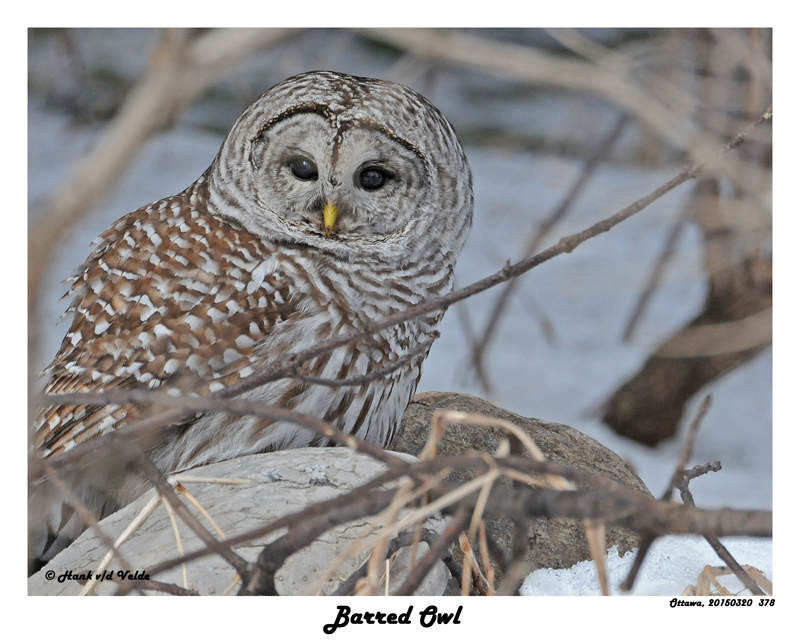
column 281, row 483
column 554, row 543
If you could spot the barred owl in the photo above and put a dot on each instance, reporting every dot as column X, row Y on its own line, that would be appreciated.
column 333, row 202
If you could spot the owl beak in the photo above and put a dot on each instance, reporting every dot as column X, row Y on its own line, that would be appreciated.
column 329, row 215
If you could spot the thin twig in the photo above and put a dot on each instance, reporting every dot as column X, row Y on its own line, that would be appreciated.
column 165, row 490
column 261, row 581
column 534, row 242
column 686, row 453
column 654, row 278
column 178, row 541
column 152, row 585
column 711, row 538
column 421, row 348
column 400, row 541
column 87, row 515
column 641, row 553
column 133, row 525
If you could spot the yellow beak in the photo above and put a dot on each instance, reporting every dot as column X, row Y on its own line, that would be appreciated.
column 329, row 215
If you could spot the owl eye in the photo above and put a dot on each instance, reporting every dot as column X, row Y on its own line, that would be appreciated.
column 372, row 178
column 303, row 168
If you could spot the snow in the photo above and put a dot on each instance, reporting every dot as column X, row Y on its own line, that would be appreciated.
column 672, row 564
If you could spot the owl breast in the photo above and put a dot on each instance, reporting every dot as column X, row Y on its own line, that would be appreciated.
column 328, row 298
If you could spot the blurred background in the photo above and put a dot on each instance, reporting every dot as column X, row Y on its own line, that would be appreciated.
column 620, row 339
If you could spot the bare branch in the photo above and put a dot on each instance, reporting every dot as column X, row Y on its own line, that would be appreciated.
column 535, row 240
column 721, row 338
column 712, row 538
column 87, row 515
column 421, row 348
column 436, row 550
column 164, row 488
column 261, row 580
column 610, row 502
column 654, row 278
column 686, row 453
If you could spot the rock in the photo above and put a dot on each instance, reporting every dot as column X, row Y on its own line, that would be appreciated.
column 281, row 483
column 554, row 543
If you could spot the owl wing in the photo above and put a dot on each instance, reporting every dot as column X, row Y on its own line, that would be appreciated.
column 170, row 297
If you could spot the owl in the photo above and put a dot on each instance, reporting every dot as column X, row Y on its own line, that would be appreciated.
column 334, row 201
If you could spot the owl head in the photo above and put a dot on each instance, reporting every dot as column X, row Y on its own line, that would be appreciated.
column 347, row 165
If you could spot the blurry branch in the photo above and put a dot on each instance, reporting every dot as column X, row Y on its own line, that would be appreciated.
column 181, row 68
column 649, row 405
column 688, row 447
column 735, row 322
column 535, row 239
column 655, row 277
column 290, row 364
column 527, row 65
column 751, row 332
column 87, row 516
column 621, row 64
column 734, row 325
column 162, row 485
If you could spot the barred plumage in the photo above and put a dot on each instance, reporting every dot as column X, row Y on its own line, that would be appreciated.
column 333, row 202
